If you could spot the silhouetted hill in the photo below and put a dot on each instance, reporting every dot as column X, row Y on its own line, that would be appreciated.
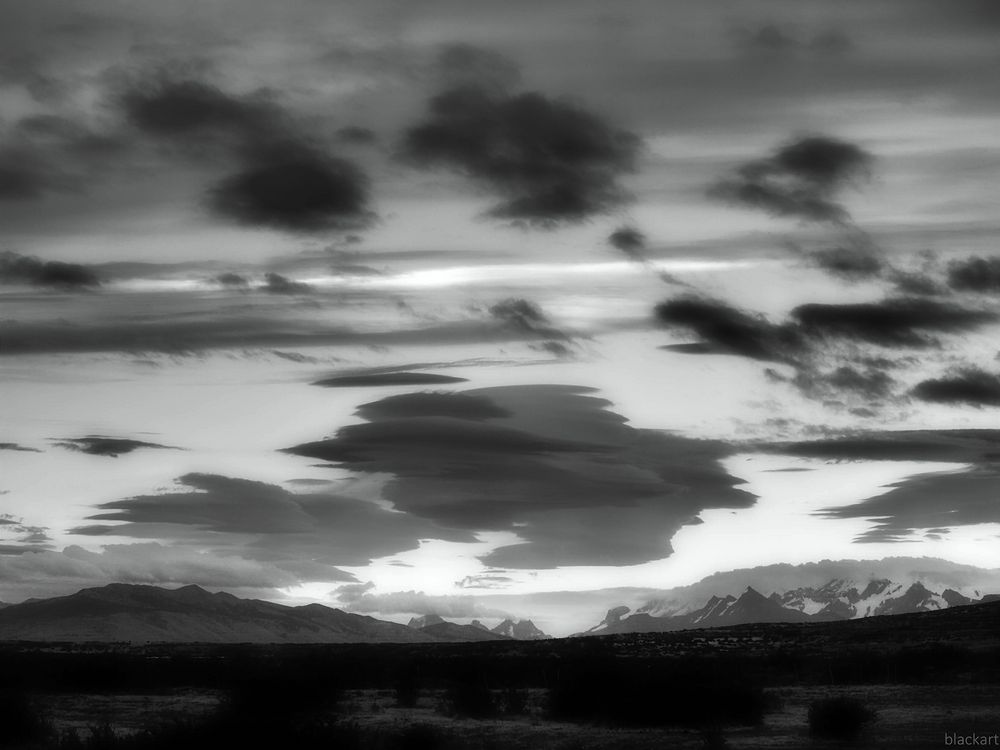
column 453, row 632
column 125, row 612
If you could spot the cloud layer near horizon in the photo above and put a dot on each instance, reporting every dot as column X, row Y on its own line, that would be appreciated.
column 548, row 463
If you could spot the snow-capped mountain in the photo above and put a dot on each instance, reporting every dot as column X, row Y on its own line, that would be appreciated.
column 838, row 599
column 523, row 630
column 424, row 621
column 844, row 599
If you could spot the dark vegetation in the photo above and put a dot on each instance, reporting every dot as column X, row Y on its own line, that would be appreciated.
column 707, row 683
column 839, row 717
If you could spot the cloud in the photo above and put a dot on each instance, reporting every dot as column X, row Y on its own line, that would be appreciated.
column 284, row 179
column 870, row 384
column 357, row 598
column 16, row 447
column 549, row 162
column 903, row 322
column 953, row 446
column 727, row 330
column 266, row 522
column 232, row 281
column 966, row 386
column 23, row 269
column 183, row 109
column 364, row 380
column 45, row 154
column 525, row 316
column 236, row 330
column 776, row 41
column 296, row 189
column 475, row 407
column 275, row 283
column 629, row 240
column 975, row 274
column 567, row 476
column 52, row 573
column 800, row 179
column 99, row 445
column 935, row 501
column 854, row 261
column 459, row 64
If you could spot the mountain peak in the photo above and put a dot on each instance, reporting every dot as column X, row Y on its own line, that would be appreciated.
column 424, row 620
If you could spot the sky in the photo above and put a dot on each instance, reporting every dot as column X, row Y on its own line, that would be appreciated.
column 490, row 309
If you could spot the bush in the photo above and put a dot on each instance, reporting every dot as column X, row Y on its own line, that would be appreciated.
column 838, row 718
column 469, row 697
column 653, row 699
column 20, row 720
column 407, row 690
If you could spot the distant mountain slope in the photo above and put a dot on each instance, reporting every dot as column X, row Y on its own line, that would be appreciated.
column 453, row 632
column 838, row 599
column 441, row 629
column 523, row 630
column 124, row 612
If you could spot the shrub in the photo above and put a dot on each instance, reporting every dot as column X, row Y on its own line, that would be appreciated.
column 839, row 718
column 654, row 699
column 470, row 697
column 20, row 720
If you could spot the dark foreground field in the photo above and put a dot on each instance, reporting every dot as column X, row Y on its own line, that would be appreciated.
column 904, row 681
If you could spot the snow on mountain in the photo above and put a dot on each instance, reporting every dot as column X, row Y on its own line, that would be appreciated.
column 523, row 630
column 424, row 621
column 837, row 599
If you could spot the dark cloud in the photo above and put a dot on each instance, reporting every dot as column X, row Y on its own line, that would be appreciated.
column 232, row 281
column 852, row 261
column 266, row 522
column 916, row 283
column 30, row 72
column 357, row 134
column 294, row 188
column 936, row 501
column 563, row 473
column 98, row 445
column 800, row 179
column 451, row 405
column 956, row 446
column 468, row 65
column 904, row 322
column 285, row 178
column 23, row 269
column 870, row 384
column 628, row 240
column 727, row 330
column 975, row 274
column 779, row 42
column 48, row 154
column 16, row 447
column 387, row 379
column 769, row 39
column 221, row 330
column 275, row 283
column 966, row 386
column 525, row 316
column 188, row 108
column 550, row 162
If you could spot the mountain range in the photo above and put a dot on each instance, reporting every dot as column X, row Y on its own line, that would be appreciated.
column 838, row 599
column 126, row 612
column 438, row 627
